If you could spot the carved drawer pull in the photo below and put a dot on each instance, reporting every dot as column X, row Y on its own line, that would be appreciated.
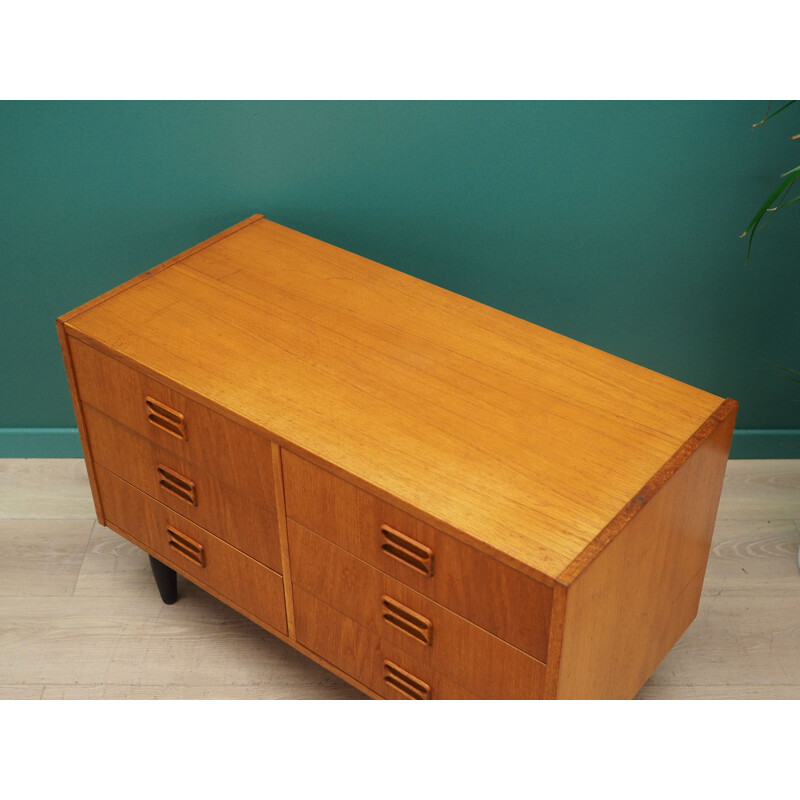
column 405, row 683
column 406, row 550
column 409, row 622
column 186, row 546
column 165, row 418
column 177, row 484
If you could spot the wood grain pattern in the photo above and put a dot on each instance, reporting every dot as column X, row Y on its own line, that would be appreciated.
column 724, row 415
column 754, row 557
column 554, row 645
column 213, row 442
column 760, row 489
column 458, row 650
column 283, row 538
column 227, row 571
column 636, row 598
column 67, row 355
column 232, row 514
column 469, row 484
column 499, row 430
column 482, row 590
column 361, row 653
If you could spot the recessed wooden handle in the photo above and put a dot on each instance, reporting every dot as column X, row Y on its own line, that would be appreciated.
column 419, row 628
column 406, row 550
column 186, row 546
column 177, row 484
column 165, row 418
column 404, row 683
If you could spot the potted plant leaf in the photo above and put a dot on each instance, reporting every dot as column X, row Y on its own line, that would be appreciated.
column 777, row 200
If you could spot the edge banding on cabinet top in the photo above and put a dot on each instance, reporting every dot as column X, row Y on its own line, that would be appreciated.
column 535, row 557
column 647, row 492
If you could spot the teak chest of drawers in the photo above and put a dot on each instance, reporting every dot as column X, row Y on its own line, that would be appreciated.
column 430, row 497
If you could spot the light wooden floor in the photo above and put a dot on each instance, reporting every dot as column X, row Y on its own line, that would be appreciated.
column 80, row 616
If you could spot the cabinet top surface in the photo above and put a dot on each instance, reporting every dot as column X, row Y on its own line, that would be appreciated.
column 497, row 428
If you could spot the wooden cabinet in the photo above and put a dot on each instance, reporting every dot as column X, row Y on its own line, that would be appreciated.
column 428, row 496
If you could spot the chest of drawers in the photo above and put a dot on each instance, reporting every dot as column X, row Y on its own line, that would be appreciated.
column 431, row 498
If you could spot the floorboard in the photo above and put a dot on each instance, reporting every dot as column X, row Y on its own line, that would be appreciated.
column 80, row 617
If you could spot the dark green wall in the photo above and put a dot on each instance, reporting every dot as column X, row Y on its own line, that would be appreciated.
column 615, row 223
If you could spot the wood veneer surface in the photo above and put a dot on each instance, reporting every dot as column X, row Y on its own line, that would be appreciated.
column 453, row 646
column 234, row 453
column 478, row 588
column 361, row 654
column 228, row 511
column 225, row 570
column 627, row 609
column 498, row 430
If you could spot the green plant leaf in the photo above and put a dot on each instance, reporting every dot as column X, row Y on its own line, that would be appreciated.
column 788, row 203
column 777, row 207
column 788, row 373
column 774, row 113
column 789, row 178
column 781, row 367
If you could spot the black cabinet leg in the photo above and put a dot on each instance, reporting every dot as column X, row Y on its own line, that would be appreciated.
column 166, row 580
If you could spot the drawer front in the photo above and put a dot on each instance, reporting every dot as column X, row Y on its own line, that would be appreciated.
column 377, row 664
column 502, row 600
column 190, row 490
column 174, row 422
column 427, row 632
column 194, row 552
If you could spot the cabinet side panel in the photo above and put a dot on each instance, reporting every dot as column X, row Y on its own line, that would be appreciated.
column 628, row 608
column 76, row 404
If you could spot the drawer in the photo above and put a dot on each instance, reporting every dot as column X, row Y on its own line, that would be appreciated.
column 427, row 632
column 498, row 598
column 190, row 430
column 377, row 664
column 188, row 489
column 194, row 552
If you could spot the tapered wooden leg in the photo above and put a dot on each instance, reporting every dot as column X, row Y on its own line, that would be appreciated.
column 166, row 580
